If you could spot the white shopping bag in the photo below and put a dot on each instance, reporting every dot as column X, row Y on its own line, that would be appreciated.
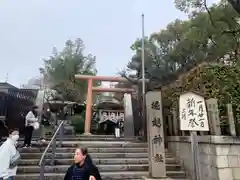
column 117, row 132
column 36, row 125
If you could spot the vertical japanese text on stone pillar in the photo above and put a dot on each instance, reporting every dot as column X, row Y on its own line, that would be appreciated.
column 157, row 139
column 156, row 135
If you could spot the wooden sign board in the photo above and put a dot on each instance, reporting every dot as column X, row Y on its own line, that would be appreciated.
column 193, row 112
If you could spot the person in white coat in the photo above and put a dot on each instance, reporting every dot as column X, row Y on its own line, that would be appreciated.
column 30, row 121
column 9, row 156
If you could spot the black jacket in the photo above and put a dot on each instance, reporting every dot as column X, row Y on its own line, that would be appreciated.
column 93, row 169
column 87, row 170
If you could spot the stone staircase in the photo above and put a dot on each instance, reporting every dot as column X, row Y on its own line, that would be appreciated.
column 124, row 158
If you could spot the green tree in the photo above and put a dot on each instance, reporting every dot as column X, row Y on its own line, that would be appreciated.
column 60, row 68
column 184, row 44
column 195, row 6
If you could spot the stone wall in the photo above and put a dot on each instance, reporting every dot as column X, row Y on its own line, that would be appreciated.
column 219, row 156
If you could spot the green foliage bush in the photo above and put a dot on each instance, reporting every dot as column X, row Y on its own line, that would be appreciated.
column 211, row 81
column 78, row 123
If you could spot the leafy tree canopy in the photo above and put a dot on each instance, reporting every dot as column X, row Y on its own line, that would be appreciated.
column 211, row 81
column 195, row 6
column 59, row 70
column 184, row 44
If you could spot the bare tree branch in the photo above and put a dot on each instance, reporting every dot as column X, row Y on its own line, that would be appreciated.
column 209, row 13
column 132, row 81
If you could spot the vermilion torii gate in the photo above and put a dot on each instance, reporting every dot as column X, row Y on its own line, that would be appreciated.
column 91, row 89
column 157, row 165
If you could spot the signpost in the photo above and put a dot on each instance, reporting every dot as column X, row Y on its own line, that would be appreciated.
column 193, row 117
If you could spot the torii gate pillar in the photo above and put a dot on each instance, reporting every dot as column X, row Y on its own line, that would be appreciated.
column 87, row 124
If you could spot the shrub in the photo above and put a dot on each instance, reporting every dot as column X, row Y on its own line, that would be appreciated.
column 211, row 81
column 78, row 123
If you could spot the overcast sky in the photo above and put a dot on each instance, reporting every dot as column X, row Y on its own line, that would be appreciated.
column 30, row 28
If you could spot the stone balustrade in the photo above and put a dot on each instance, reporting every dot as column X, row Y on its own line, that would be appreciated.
column 219, row 156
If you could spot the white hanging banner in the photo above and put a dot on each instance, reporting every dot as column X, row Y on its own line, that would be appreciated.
column 111, row 115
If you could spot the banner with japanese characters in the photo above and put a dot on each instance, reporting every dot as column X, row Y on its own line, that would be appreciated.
column 193, row 112
column 111, row 115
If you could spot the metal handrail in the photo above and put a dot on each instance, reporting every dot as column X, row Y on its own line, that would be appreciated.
column 50, row 143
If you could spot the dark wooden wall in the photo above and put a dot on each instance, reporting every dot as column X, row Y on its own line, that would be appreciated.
column 14, row 104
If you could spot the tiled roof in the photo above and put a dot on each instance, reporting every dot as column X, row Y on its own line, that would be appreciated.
column 6, row 85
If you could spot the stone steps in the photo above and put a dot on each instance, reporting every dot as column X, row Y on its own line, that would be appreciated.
column 91, row 144
column 102, row 168
column 133, row 175
column 93, row 155
column 89, row 138
column 124, row 158
column 83, row 138
column 90, row 150
column 35, row 162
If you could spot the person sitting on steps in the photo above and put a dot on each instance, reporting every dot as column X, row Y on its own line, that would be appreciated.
column 83, row 167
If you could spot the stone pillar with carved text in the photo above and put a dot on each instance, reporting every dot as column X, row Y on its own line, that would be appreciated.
column 156, row 149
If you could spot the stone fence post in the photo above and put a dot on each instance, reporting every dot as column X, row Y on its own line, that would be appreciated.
column 175, row 122
column 213, row 115
column 231, row 120
column 170, row 124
